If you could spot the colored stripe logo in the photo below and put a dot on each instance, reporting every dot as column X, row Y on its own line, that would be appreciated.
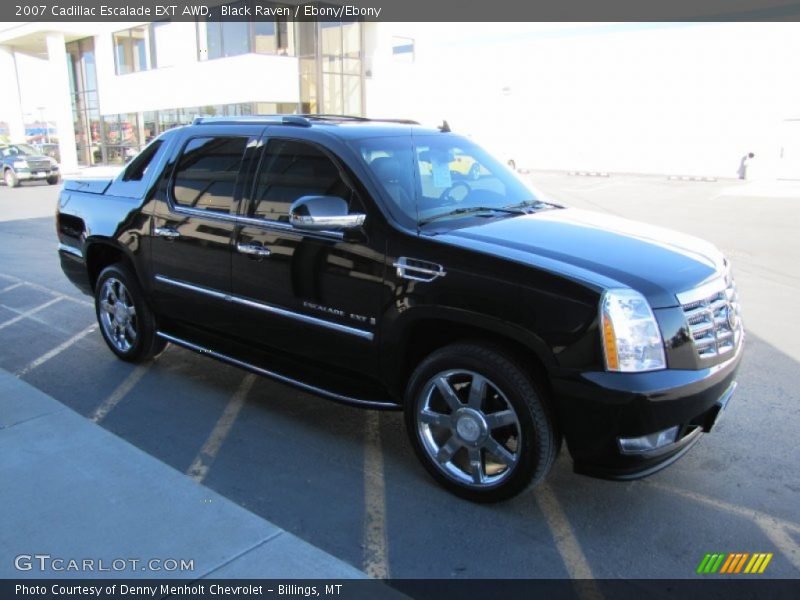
column 734, row 563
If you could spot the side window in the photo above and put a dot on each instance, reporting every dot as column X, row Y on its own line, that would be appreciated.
column 206, row 174
column 289, row 170
column 139, row 165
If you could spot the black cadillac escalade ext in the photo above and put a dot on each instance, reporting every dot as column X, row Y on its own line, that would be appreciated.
column 388, row 265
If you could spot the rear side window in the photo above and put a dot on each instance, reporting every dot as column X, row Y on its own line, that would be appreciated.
column 138, row 167
column 291, row 169
column 205, row 177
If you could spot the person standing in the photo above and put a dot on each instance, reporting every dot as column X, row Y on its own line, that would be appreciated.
column 744, row 164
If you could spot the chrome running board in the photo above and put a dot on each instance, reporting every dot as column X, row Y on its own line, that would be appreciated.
column 377, row 404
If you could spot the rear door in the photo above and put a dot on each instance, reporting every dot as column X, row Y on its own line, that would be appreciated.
column 193, row 224
column 314, row 295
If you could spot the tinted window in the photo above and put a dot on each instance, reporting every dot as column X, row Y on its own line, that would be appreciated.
column 290, row 170
column 206, row 174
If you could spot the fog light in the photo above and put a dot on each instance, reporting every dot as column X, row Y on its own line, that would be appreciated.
column 648, row 443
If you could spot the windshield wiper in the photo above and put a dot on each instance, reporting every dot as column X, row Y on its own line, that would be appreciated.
column 470, row 210
column 534, row 204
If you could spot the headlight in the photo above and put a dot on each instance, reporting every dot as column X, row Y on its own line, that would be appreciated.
column 631, row 337
column 53, row 164
column 20, row 164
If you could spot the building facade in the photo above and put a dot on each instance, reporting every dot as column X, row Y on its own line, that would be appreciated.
column 117, row 86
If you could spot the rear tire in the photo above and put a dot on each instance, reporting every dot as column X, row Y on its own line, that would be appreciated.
column 478, row 422
column 126, row 322
column 10, row 178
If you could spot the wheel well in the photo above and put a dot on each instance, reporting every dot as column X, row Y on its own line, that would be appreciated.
column 99, row 256
column 427, row 336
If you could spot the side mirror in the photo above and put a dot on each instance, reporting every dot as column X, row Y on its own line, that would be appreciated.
column 317, row 213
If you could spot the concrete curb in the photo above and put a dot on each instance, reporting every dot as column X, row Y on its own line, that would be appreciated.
column 72, row 490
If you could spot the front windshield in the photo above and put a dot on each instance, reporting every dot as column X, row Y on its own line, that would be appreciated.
column 441, row 177
column 19, row 150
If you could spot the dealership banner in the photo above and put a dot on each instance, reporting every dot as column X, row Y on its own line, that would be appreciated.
column 405, row 10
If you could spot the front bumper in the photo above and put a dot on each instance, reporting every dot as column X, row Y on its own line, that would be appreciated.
column 29, row 175
column 596, row 409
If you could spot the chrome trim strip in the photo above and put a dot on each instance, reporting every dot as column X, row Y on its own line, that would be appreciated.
column 367, row 335
column 70, row 250
column 706, row 290
column 282, row 378
column 416, row 272
column 262, row 223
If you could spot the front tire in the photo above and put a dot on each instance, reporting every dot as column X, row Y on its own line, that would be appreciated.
column 52, row 180
column 478, row 422
column 10, row 178
column 126, row 322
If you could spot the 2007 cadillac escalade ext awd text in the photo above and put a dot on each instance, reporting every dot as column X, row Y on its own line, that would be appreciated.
column 348, row 257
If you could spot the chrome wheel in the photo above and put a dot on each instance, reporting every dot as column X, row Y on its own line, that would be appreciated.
column 468, row 428
column 118, row 315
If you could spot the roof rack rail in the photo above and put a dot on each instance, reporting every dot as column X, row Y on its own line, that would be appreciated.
column 303, row 120
column 296, row 120
column 330, row 117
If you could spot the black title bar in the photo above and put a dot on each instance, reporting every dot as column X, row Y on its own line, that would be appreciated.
column 402, row 10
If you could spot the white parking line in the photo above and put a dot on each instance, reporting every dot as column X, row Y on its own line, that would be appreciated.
column 47, row 290
column 119, row 393
column 376, row 546
column 27, row 313
column 208, row 453
column 13, row 286
column 567, row 544
column 55, row 351
column 742, row 511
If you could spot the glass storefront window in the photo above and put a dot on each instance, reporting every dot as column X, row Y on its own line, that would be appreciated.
column 275, row 108
column 221, row 36
column 120, row 137
column 351, row 48
column 149, row 126
column 339, row 70
column 272, row 37
column 235, row 38
column 85, row 106
column 132, row 50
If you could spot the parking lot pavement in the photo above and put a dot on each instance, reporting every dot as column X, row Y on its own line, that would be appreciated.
column 74, row 491
column 345, row 480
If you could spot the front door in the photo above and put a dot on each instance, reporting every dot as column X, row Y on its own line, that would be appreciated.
column 314, row 295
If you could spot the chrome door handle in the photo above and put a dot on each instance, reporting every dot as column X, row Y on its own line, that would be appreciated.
column 166, row 232
column 253, row 249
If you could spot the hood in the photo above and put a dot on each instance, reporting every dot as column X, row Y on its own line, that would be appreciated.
column 34, row 157
column 600, row 248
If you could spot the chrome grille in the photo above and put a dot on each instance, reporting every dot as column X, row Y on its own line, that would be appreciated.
column 38, row 164
column 714, row 320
